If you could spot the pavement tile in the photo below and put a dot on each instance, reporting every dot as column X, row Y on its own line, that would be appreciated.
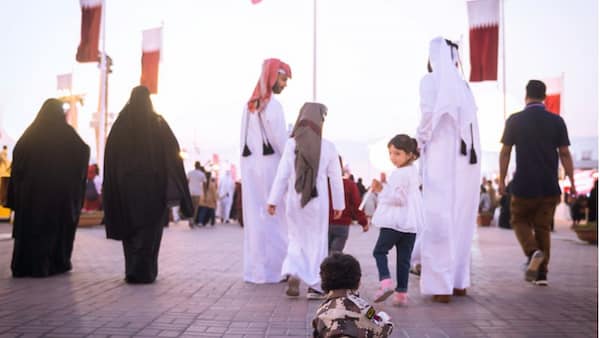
column 216, row 329
column 199, row 292
column 167, row 333
column 148, row 332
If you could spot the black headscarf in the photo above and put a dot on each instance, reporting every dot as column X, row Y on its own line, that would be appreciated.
column 49, row 168
column 143, row 171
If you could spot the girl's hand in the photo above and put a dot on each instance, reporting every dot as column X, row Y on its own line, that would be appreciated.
column 271, row 209
column 365, row 227
column 337, row 214
column 376, row 186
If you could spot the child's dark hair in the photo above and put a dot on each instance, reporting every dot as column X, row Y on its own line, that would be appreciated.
column 340, row 271
column 406, row 143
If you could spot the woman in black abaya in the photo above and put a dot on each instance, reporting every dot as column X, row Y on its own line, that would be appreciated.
column 46, row 192
column 143, row 173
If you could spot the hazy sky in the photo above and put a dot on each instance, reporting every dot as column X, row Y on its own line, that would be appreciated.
column 371, row 56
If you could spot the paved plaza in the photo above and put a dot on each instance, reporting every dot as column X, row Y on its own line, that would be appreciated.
column 200, row 293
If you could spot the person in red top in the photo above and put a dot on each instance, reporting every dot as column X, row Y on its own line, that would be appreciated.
column 339, row 228
column 93, row 189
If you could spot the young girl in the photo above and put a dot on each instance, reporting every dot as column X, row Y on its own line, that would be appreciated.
column 399, row 215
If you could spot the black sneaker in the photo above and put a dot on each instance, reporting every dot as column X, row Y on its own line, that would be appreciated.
column 541, row 280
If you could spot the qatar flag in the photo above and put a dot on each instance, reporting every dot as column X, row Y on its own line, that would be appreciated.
column 151, row 45
column 554, row 88
column 91, row 14
column 484, row 16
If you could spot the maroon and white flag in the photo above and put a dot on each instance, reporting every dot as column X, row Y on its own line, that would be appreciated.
column 91, row 15
column 151, row 46
column 64, row 81
column 484, row 17
column 554, row 89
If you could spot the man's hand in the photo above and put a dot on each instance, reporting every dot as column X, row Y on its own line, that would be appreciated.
column 365, row 227
column 337, row 214
column 501, row 188
column 567, row 162
column 271, row 209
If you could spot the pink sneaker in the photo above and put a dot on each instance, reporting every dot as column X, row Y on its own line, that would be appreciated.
column 400, row 298
column 385, row 290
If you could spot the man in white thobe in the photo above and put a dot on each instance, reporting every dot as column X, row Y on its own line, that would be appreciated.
column 449, row 137
column 263, row 138
column 226, row 188
column 301, row 180
column 196, row 180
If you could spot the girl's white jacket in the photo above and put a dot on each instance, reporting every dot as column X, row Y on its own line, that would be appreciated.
column 400, row 203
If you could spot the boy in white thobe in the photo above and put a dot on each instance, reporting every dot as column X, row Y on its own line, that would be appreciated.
column 307, row 162
column 226, row 189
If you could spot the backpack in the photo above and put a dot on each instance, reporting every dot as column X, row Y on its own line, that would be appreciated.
column 91, row 194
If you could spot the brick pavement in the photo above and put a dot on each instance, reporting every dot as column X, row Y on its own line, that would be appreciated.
column 199, row 292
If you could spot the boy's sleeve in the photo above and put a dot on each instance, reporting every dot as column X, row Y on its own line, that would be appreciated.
column 334, row 172
column 284, row 170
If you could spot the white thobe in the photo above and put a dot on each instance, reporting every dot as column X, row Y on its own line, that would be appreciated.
column 265, row 237
column 226, row 189
column 450, row 196
column 307, row 227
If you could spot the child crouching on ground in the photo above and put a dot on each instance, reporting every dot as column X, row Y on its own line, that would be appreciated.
column 399, row 215
column 344, row 313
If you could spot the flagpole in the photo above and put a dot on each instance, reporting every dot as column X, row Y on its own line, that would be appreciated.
column 102, row 120
column 314, row 50
column 503, row 60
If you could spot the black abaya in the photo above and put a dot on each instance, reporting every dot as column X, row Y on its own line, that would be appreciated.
column 46, row 192
column 142, row 172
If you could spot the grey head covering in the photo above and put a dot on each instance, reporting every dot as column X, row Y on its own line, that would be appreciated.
column 307, row 134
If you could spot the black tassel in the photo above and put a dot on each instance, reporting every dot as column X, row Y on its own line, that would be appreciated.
column 314, row 193
column 463, row 147
column 268, row 149
column 473, row 158
column 246, row 151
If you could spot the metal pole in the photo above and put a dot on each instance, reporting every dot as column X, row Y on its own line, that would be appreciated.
column 314, row 50
column 503, row 60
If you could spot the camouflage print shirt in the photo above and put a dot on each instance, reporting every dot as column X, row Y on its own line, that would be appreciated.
column 344, row 314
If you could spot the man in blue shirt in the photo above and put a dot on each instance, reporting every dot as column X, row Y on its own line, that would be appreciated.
column 540, row 138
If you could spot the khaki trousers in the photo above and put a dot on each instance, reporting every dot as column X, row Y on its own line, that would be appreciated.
column 531, row 219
